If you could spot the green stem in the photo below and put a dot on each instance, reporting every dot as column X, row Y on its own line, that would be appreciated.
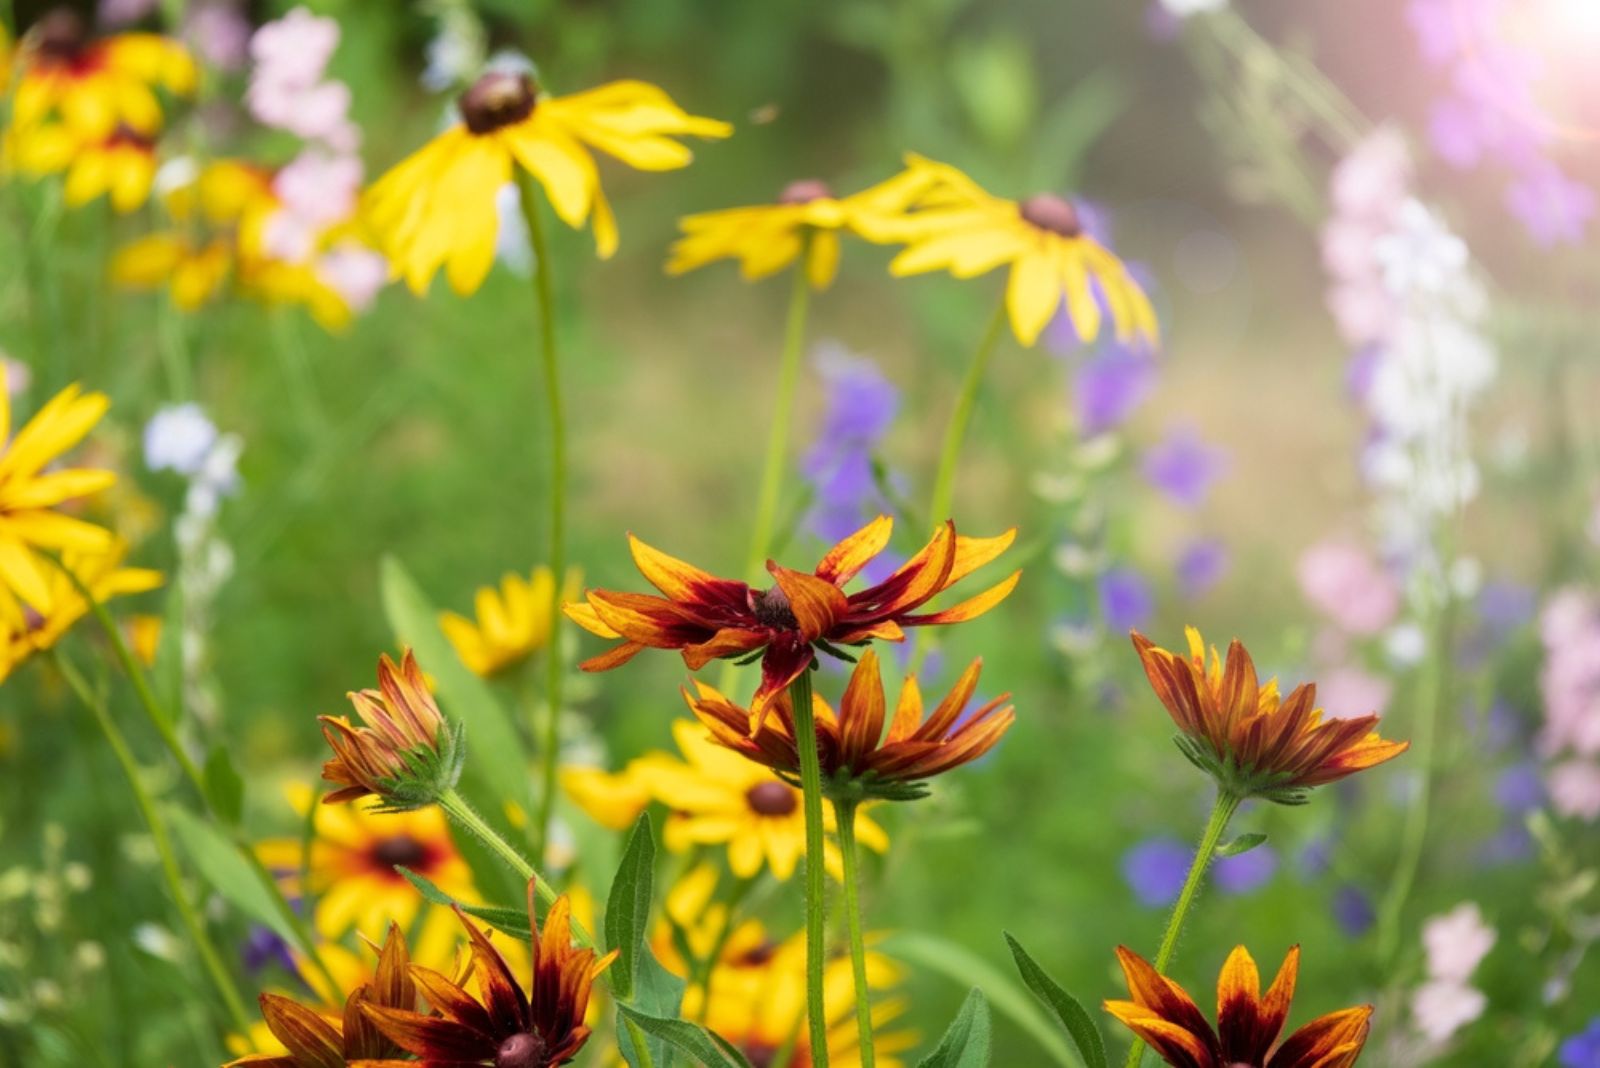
column 296, row 365
column 544, row 293
column 805, row 734
column 466, row 817
column 158, row 716
column 955, row 431
column 1414, row 833
column 209, row 956
column 1221, row 812
column 845, row 817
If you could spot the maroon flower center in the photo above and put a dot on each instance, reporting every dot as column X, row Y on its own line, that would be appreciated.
column 761, row 1055
column 756, row 956
column 805, row 191
column 1052, row 214
column 771, row 608
column 31, row 619
column 59, row 35
column 771, row 799
column 523, row 1050
column 496, row 100
column 400, row 850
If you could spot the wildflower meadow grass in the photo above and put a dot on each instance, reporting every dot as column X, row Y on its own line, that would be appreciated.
column 891, row 533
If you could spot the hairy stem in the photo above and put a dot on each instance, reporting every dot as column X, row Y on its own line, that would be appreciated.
column 845, row 813
column 805, row 734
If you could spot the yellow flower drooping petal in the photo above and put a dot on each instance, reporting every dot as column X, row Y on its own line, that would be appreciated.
column 26, row 631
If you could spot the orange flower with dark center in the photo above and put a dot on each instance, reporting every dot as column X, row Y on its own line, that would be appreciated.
column 857, row 758
column 503, row 1026
column 708, row 618
column 315, row 1041
column 1252, row 743
column 407, row 755
column 1248, row 1022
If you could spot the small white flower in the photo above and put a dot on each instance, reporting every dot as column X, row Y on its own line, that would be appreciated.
column 1441, row 1008
column 179, row 438
column 1456, row 942
column 1405, row 644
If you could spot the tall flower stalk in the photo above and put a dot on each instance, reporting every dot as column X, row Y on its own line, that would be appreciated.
column 805, row 734
column 549, row 358
column 955, row 431
column 845, row 817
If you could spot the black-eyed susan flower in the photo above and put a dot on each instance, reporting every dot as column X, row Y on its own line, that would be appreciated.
column 1248, row 1022
column 858, row 759
column 313, row 1039
column 718, row 798
column 95, row 86
column 120, row 165
column 513, row 622
column 1244, row 736
column 350, row 866
column 504, row 1025
column 806, row 219
column 952, row 224
column 611, row 799
column 26, row 630
column 437, row 208
column 407, row 756
column 695, row 922
column 708, row 618
column 30, row 495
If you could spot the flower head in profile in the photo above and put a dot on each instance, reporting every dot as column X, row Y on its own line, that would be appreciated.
column 438, row 209
column 30, row 495
column 312, row 1040
column 407, row 755
column 1248, row 1022
column 952, row 224
column 857, row 758
column 805, row 220
column 95, row 86
column 504, row 1025
column 707, row 618
column 26, row 631
column 1242, row 734
column 512, row 622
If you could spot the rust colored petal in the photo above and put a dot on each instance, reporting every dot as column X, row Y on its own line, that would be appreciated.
column 1331, row 1041
column 311, row 1040
column 845, row 560
column 816, row 603
column 862, row 710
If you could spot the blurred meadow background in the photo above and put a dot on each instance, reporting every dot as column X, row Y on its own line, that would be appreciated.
column 1233, row 478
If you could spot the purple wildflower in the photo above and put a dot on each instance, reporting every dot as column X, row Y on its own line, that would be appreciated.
column 1353, row 911
column 1520, row 788
column 1201, row 565
column 1125, row 598
column 1155, row 870
column 1184, row 467
column 262, row 948
column 1554, row 209
column 1582, row 1050
column 1109, row 385
column 1246, row 872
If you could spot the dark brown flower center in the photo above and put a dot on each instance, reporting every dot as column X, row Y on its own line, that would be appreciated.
column 771, row 608
column 1052, row 214
column 522, row 1050
column 59, row 35
column 805, row 191
column 756, row 956
column 400, row 850
column 31, row 619
column 772, row 799
column 496, row 100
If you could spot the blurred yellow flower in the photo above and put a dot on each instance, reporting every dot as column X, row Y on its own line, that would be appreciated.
column 144, row 636
column 613, row 800
column 437, row 208
column 953, row 224
column 353, row 854
column 26, row 631
column 29, row 495
column 121, row 165
column 719, row 798
column 194, row 272
column 694, row 919
column 96, row 86
column 513, row 622
column 806, row 219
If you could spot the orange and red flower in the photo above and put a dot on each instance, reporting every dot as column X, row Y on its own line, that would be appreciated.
column 708, row 618
column 854, row 752
column 1248, row 1022
column 1242, row 734
column 407, row 755
column 541, row 1027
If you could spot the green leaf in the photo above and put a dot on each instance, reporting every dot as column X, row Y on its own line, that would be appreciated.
column 706, row 1047
column 658, row 993
column 1242, row 844
column 494, row 749
column 224, row 787
column 1005, row 994
column 966, row 1041
column 513, row 922
column 166, row 674
column 229, row 874
column 628, row 906
column 1079, row 1024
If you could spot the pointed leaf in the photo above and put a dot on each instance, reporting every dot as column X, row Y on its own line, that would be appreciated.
column 1079, row 1024
column 656, row 992
column 628, row 906
column 706, row 1047
column 218, row 861
column 513, row 922
column 966, row 1041
column 224, row 787
column 1242, row 844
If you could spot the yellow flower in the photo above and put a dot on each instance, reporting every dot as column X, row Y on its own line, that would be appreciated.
column 513, row 622
column 26, row 631
column 765, row 238
column 29, row 496
column 438, row 207
column 351, row 865
column 194, row 272
column 692, row 912
column 719, row 798
column 121, row 165
column 96, row 86
column 612, row 800
column 952, row 224
column 757, row 1002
